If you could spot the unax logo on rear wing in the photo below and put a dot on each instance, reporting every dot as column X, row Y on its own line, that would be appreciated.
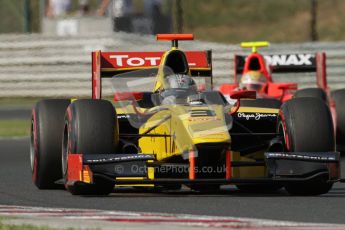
column 108, row 64
column 290, row 63
column 284, row 62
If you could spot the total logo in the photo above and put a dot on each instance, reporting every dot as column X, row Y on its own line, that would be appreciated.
column 125, row 60
column 289, row 59
column 148, row 59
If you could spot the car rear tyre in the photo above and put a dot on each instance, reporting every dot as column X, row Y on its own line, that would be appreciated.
column 339, row 99
column 306, row 125
column 91, row 127
column 47, row 125
column 312, row 92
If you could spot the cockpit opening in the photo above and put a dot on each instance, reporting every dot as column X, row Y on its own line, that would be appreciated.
column 254, row 64
column 177, row 62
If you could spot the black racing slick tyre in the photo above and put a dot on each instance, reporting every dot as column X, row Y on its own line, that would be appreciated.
column 91, row 127
column 306, row 124
column 312, row 92
column 47, row 125
column 339, row 99
column 262, row 103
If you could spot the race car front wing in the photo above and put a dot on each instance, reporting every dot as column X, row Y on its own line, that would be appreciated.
column 281, row 167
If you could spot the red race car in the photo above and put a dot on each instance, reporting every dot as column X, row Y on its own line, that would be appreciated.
column 254, row 72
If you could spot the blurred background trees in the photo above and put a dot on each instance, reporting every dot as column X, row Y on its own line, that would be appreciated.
column 217, row 20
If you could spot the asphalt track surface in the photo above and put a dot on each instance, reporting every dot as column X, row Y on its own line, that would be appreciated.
column 16, row 188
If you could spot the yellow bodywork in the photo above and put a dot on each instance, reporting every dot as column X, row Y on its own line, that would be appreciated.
column 160, row 83
column 254, row 45
column 184, row 130
column 180, row 131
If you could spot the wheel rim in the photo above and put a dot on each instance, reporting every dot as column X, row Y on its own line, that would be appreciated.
column 282, row 133
column 32, row 146
column 65, row 150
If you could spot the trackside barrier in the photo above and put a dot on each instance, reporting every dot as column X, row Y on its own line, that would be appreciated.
column 49, row 66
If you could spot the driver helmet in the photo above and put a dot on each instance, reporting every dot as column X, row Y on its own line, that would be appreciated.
column 180, row 81
column 253, row 80
column 177, row 88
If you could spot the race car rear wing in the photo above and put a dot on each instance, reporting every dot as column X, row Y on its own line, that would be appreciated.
column 108, row 64
column 290, row 63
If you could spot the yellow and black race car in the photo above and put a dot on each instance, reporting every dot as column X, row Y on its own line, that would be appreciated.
column 165, row 128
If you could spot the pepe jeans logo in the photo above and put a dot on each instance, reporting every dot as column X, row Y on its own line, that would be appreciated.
column 256, row 116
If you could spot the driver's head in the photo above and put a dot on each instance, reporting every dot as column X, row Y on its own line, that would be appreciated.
column 180, row 81
column 177, row 88
column 253, row 80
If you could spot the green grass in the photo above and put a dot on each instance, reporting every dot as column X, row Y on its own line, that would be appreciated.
column 14, row 128
column 10, row 226
column 23, row 227
column 18, row 102
column 29, row 227
column 4, row 226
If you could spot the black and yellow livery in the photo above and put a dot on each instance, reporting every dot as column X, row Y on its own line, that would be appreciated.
column 180, row 133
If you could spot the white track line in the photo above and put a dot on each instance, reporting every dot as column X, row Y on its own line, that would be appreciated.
column 147, row 220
